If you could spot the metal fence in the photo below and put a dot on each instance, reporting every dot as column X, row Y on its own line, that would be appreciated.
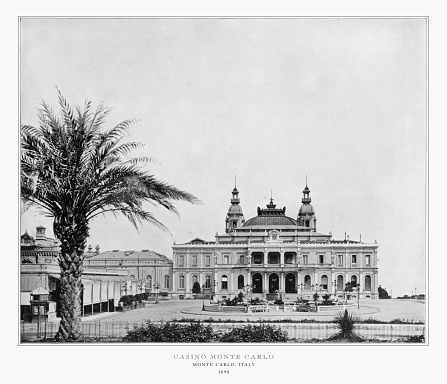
column 302, row 331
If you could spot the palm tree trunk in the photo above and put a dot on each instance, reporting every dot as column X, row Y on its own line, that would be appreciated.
column 73, row 240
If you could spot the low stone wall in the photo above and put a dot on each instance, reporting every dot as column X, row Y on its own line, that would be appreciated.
column 308, row 331
column 224, row 308
column 299, row 331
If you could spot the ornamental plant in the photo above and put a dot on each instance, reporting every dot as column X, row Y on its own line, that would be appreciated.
column 346, row 325
column 74, row 170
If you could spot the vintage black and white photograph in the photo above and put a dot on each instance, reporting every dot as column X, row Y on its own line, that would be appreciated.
column 223, row 180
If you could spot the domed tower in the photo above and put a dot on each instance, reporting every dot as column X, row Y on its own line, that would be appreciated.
column 306, row 216
column 235, row 217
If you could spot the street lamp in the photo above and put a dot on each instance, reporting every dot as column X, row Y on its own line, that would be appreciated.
column 316, row 296
column 335, row 289
column 248, row 290
column 358, row 295
column 214, row 288
column 156, row 287
column 301, row 288
column 203, row 297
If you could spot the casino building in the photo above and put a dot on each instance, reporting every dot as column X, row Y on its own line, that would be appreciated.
column 273, row 255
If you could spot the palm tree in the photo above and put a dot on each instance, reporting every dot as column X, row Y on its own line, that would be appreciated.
column 74, row 170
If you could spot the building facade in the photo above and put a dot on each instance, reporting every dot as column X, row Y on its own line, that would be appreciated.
column 152, row 270
column 273, row 255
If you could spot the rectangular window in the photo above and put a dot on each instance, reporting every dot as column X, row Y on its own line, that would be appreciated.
column 289, row 259
column 304, row 259
column 257, row 259
column 321, row 259
column 241, row 259
column 368, row 259
column 181, row 261
column 340, row 259
column 226, row 259
column 207, row 260
column 354, row 259
column 194, row 260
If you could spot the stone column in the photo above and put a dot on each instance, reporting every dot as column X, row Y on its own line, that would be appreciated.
column 174, row 282
column 281, row 258
column 187, row 283
column 265, row 258
column 266, row 283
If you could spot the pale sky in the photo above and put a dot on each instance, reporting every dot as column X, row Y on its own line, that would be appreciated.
column 342, row 101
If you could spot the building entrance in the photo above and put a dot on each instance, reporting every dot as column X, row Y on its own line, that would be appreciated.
column 273, row 283
column 290, row 283
column 257, row 283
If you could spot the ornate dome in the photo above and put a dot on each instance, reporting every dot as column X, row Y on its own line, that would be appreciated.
column 270, row 221
column 271, row 217
column 235, row 209
column 306, row 209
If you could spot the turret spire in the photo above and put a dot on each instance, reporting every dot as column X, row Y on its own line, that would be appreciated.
column 235, row 217
column 306, row 216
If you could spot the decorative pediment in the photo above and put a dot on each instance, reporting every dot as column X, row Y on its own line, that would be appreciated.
column 274, row 237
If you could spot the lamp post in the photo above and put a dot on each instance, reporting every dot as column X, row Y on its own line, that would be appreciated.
column 214, row 288
column 203, row 297
column 335, row 289
column 156, row 287
column 358, row 295
column 248, row 290
column 316, row 296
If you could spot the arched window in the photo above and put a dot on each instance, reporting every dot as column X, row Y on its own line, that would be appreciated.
column 181, row 282
column 307, row 282
column 149, row 281
column 367, row 283
column 240, row 282
column 195, row 279
column 323, row 284
column 224, row 282
column 207, row 281
column 340, row 283
column 354, row 281
column 166, row 281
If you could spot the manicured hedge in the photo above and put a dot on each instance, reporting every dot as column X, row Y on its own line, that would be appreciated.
column 197, row 332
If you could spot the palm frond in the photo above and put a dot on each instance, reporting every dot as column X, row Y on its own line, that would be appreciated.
column 69, row 166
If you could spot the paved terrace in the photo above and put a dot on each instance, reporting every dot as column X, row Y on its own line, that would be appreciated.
column 385, row 310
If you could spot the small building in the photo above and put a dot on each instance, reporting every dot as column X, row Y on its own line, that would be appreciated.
column 102, row 288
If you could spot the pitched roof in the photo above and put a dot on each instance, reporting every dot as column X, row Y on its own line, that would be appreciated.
column 143, row 254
